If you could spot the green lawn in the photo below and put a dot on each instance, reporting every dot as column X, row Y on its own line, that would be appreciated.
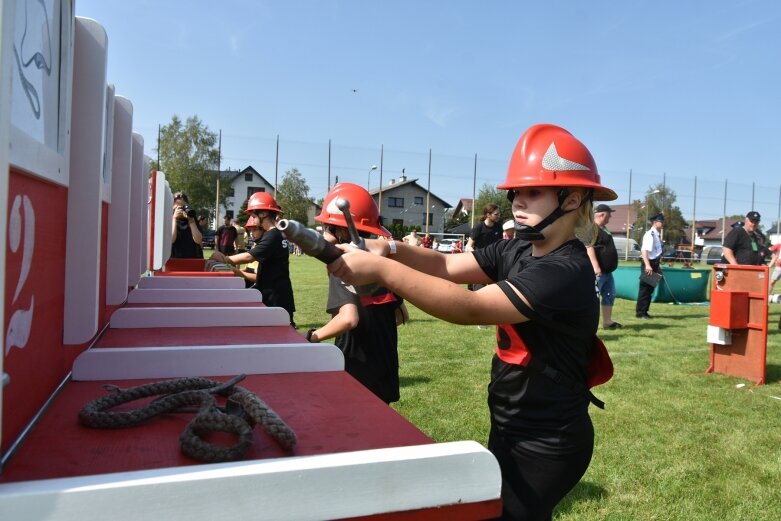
column 674, row 443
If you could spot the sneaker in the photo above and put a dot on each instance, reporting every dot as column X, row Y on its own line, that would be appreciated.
column 644, row 317
column 614, row 325
column 483, row 327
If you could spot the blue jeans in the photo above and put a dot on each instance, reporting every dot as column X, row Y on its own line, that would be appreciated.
column 606, row 286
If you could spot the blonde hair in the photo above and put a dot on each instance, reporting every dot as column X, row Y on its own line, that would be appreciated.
column 585, row 229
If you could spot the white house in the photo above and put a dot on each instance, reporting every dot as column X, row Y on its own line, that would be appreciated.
column 403, row 201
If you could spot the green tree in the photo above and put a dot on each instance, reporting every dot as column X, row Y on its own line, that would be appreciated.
column 490, row 195
column 454, row 219
column 189, row 158
column 293, row 196
column 660, row 199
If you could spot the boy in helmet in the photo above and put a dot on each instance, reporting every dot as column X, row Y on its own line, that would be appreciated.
column 364, row 325
column 271, row 251
column 545, row 308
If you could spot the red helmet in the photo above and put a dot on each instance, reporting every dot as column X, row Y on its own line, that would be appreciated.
column 547, row 155
column 262, row 201
column 252, row 222
column 363, row 209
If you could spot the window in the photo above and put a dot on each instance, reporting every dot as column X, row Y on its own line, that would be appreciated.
column 398, row 221
column 419, row 200
column 232, row 192
column 430, row 219
column 248, row 176
column 395, row 202
column 254, row 189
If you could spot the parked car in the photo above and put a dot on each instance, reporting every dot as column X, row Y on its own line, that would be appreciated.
column 711, row 254
column 207, row 239
column 633, row 253
column 446, row 245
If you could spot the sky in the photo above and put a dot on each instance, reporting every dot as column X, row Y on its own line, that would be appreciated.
column 684, row 94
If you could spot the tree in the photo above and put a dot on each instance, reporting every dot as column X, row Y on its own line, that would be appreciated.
column 490, row 195
column 190, row 160
column 293, row 196
column 660, row 199
column 456, row 219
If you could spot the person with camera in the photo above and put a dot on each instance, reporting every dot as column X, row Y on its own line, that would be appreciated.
column 186, row 236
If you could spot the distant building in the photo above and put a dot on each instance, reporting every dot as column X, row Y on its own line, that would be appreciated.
column 403, row 201
column 463, row 206
column 243, row 184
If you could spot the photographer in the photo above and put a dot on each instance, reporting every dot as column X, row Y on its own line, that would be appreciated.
column 185, row 234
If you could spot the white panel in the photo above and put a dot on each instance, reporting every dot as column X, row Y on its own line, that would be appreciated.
column 186, row 296
column 331, row 486
column 137, row 207
column 108, row 143
column 6, row 51
column 40, row 89
column 82, row 255
column 164, row 282
column 119, row 210
column 199, row 317
column 161, row 234
column 132, row 363
column 144, row 253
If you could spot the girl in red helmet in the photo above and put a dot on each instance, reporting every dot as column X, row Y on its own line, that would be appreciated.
column 540, row 295
column 364, row 325
column 271, row 251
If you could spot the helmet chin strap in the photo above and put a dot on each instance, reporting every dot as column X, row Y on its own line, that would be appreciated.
column 534, row 233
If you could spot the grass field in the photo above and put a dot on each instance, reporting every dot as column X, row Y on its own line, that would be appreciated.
column 673, row 443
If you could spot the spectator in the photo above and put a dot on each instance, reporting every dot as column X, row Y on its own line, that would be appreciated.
column 185, row 233
column 604, row 260
column 508, row 229
column 225, row 237
column 651, row 256
column 743, row 245
column 412, row 239
column 364, row 325
column 427, row 241
column 241, row 236
column 486, row 231
column 775, row 265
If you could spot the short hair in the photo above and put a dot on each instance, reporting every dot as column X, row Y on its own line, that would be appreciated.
column 182, row 196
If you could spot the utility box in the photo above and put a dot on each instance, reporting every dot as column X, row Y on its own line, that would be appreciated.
column 729, row 309
column 737, row 328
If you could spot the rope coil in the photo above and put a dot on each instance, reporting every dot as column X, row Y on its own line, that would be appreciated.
column 243, row 410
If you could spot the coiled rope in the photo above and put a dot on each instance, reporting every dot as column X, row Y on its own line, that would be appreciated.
column 243, row 409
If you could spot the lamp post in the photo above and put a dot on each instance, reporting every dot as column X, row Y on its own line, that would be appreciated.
column 369, row 177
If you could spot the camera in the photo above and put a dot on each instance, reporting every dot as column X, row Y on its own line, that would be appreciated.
column 188, row 211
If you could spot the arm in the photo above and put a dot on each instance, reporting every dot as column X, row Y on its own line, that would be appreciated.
column 197, row 237
column 430, row 293
column 246, row 275
column 470, row 245
column 592, row 256
column 729, row 255
column 648, row 268
column 345, row 320
column 233, row 260
column 461, row 268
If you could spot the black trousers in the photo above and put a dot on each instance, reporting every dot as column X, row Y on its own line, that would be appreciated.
column 534, row 483
column 646, row 290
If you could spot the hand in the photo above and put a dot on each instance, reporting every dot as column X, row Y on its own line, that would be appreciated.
column 179, row 213
column 356, row 267
column 648, row 270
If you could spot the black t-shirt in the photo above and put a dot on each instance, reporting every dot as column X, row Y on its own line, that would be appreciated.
column 605, row 250
column 225, row 237
column 184, row 246
column 483, row 235
column 745, row 246
column 273, row 278
column 564, row 316
column 370, row 350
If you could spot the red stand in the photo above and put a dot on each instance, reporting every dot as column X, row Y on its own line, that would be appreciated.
column 739, row 306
